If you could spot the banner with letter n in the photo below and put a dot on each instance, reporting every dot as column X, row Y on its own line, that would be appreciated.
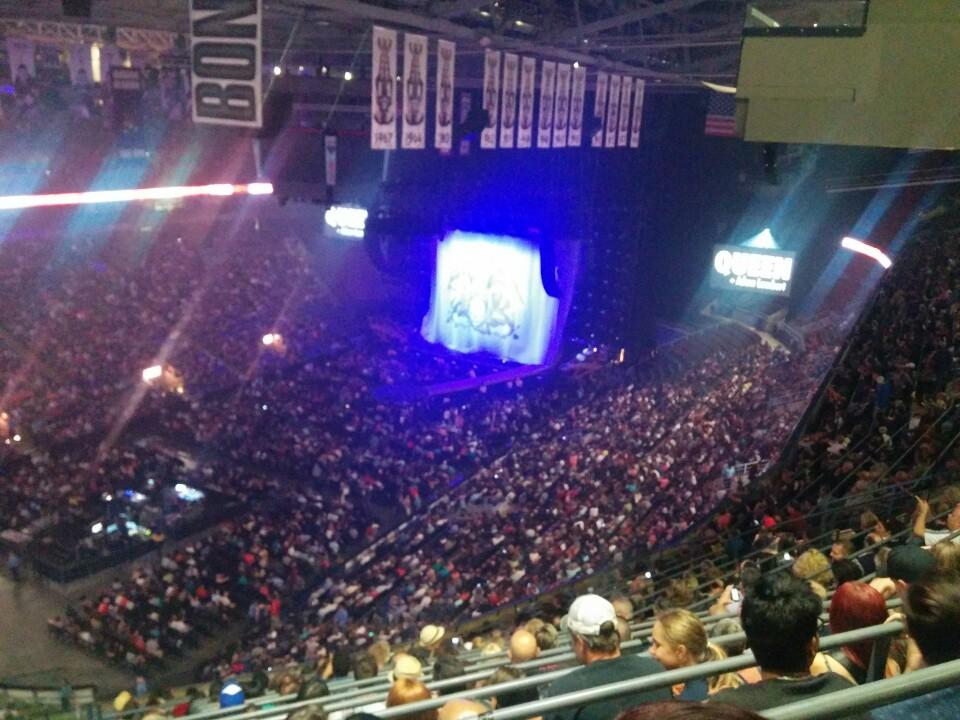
column 491, row 98
column 528, row 70
column 446, row 61
column 225, row 49
column 575, row 125
column 548, row 79
column 383, row 90
column 623, row 129
column 600, row 109
column 414, row 92
column 637, row 113
column 613, row 112
column 561, row 116
column 508, row 102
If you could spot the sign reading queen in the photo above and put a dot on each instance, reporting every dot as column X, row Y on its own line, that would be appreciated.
column 766, row 271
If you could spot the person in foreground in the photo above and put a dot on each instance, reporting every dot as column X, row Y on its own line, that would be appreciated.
column 684, row 710
column 592, row 623
column 780, row 619
column 932, row 609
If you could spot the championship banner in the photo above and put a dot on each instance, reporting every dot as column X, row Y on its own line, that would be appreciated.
column 446, row 59
column 623, row 130
column 528, row 70
column 562, row 115
column 613, row 112
column 600, row 109
column 575, row 126
column 80, row 64
column 383, row 92
column 548, row 79
column 491, row 97
column 508, row 113
column 21, row 52
column 637, row 113
column 414, row 135
column 225, row 42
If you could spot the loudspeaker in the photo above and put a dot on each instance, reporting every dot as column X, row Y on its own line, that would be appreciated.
column 77, row 8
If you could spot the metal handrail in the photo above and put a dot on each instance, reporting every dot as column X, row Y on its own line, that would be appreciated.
column 866, row 697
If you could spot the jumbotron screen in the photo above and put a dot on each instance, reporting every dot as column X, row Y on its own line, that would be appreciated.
column 763, row 271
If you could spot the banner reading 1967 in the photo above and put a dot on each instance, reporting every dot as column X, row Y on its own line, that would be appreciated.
column 225, row 48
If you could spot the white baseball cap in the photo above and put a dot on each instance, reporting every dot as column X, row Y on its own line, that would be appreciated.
column 587, row 615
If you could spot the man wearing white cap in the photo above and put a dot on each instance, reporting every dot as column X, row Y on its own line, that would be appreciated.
column 592, row 623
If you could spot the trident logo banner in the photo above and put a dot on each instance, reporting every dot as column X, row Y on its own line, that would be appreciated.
column 383, row 91
column 414, row 92
column 548, row 79
column 528, row 70
column 491, row 97
column 613, row 112
column 637, row 113
column 446, row 60
column 508, row 111
column 623, row 130
column 600, row 109
column 575, row 123
column 561, row 115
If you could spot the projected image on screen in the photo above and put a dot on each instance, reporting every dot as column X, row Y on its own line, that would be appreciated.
column 488, row 297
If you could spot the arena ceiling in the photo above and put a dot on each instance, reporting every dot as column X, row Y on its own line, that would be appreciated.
column 673, row 42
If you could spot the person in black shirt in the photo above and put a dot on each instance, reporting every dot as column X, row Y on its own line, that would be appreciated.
column 780, row 619
column 592, row 623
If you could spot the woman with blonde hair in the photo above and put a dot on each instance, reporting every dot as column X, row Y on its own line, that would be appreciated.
column 679, row 640
column 814, row 566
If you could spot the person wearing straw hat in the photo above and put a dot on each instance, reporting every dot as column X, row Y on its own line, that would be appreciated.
column 592, row 624
column 431, row 638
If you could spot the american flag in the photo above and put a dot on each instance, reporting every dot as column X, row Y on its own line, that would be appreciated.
column 721, row 113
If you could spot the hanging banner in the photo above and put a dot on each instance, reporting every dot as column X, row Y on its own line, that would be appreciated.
column 561, row 117
column 599, row 109
column 491, row 97
column 110, row 57
column 80, row 64
column 414, row 135
column 508, row 111
column 637, row 113
column 623, row 130
column 225, row 43
column 383, row 91
column 575, row 124
column 446, row 58
column 548, row 79
column 528, row 70
column 21, row 52
column 330, row 159
column 613, row 112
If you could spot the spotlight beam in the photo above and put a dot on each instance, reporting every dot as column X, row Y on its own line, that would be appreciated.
column 858, row 246
column 96, row 197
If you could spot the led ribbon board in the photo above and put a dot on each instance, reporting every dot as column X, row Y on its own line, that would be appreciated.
column 763, row 271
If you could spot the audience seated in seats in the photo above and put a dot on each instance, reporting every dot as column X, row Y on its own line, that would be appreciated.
column 685, row 710
column 932, row 610
column 951, row 524
column 781, row 618
column 596, row 645
column 679, row 640
column 462, row 709
column 404, row 691
column 856, row 605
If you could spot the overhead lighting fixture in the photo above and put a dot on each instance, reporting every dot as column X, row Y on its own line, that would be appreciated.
column 97, row 197
column 871, row 251
column 348, row 76
column 151, row 373
column 277, row 70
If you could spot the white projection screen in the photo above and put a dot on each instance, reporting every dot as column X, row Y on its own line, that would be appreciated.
column 488, row 296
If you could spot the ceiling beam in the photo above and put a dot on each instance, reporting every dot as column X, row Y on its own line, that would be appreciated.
column 457, row 8
column 648, row 10
column 451, row 30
